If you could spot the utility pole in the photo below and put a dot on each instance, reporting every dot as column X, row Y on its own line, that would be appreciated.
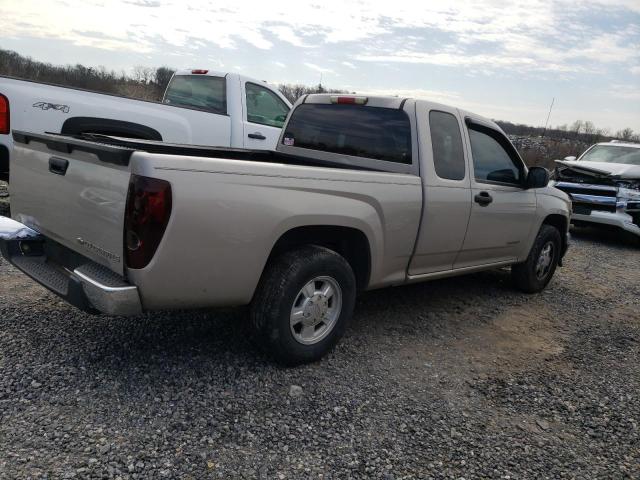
column 549, row 115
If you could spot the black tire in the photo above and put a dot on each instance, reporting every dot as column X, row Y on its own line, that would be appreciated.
column 281, row 285
column 524, row 274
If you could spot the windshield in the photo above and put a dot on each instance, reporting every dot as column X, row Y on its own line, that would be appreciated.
column 613, row 154
column 198, row 91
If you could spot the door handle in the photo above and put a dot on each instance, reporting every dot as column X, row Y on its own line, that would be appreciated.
column 483, row 199
column 58, row 165
column 257, row 136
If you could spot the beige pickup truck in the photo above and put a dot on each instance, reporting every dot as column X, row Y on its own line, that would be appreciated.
column 360, row 193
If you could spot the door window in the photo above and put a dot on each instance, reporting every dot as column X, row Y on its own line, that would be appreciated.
column 264, row 106
column 446, row 141
column 494, row 158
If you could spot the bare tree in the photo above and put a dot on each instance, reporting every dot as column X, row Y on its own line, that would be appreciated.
column 143, row 74
column 625, row 134
column 577, row 127
column 163, row 76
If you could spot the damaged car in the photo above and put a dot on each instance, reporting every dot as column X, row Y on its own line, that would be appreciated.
column 604, row 185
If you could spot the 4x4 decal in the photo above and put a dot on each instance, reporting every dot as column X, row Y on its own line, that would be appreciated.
column 51, row 106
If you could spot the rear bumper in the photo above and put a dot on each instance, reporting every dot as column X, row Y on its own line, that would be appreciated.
column 85, row 284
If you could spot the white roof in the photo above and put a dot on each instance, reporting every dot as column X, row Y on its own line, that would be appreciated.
column 620, row 143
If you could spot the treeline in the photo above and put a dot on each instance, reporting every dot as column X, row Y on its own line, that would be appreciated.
column 580, row 131
column 144, row 82
column 149, row 84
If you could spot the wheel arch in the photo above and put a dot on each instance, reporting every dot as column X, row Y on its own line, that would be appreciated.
column 109, row 126
column 562, row 224
column 351, row 243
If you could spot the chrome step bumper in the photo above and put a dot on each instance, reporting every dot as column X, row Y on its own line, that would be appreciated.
column 89, row 286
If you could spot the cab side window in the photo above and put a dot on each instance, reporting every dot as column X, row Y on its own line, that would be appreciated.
column 446, row 141
column 494, row 159
column 264, row 106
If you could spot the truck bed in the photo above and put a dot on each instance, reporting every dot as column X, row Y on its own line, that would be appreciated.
column 118, row 150
column 229, row 208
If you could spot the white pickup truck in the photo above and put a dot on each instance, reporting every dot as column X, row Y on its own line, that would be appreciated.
column 360, row 193
column 604, row 185
column 199, row 107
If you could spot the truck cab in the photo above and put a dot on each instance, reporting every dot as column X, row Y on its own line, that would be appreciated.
column 259, row 114
column 479, row 207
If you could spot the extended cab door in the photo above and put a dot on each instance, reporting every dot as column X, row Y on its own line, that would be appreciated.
column 502, row 210
column 446, row 189
column 264, row 113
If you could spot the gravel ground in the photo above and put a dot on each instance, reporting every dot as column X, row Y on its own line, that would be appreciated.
column 4, row 199
column 460, row 378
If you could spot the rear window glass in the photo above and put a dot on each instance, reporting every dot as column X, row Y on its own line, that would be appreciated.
column 370, row 132
column 198, row 91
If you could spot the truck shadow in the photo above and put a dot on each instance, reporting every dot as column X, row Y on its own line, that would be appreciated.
column 148, row 358
column 196, row 341
column 612, row 237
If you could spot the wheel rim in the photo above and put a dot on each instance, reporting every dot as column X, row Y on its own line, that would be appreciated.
column 545, row 260
column 315, row 310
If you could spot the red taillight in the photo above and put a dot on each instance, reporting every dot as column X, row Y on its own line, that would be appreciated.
column 199, row 72
column 147, row 214
column 349, row 100
column 5, row 125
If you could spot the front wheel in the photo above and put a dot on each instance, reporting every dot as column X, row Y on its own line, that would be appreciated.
column 303, row 304
column 536, row 271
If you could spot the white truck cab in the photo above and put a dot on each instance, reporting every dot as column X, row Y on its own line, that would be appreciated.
column 261, row 108
column 199, row 107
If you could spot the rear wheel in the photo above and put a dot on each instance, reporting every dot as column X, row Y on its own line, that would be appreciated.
column 534, row 274
column 303, row 304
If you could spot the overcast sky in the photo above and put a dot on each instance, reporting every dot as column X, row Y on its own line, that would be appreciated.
column 501, row 59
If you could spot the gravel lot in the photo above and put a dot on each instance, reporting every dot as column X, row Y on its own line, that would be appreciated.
column 4, row 199
column 461, row 378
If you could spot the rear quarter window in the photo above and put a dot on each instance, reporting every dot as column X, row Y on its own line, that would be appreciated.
column 446, row 141
column 204, row 92
column 368, row 132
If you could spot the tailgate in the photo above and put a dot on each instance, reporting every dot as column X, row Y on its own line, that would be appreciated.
column 72, row 191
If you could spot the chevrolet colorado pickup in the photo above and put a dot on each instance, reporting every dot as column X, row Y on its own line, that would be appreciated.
column 360, row 193
column 604, row 184
column 199, row 107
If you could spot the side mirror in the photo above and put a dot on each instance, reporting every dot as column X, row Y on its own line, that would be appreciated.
column 571, row 159
column 538, row 177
